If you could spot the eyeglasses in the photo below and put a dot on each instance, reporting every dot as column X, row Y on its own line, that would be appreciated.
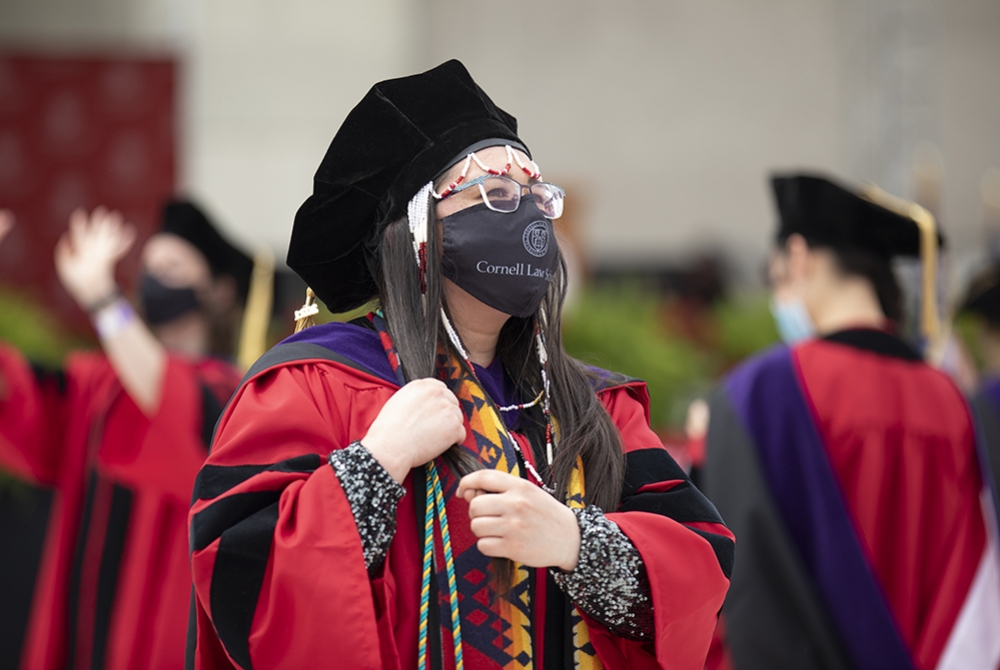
column 503, row 194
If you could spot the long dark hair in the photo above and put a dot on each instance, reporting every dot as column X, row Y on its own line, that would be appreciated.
column 585, row 429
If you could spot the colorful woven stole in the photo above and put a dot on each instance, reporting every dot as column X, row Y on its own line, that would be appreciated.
column 497, row 628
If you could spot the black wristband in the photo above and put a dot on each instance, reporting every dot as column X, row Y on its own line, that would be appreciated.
column 106, row 301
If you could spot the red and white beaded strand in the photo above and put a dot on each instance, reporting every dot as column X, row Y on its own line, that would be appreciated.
column 523, row 405
column 419, row 219
column 457, row 343
column 543, row 359
column 512, row 157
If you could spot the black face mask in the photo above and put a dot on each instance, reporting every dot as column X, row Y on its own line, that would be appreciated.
column 504, row 260
column 161, row 303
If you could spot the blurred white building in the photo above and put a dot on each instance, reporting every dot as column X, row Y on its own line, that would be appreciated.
column 661, row 117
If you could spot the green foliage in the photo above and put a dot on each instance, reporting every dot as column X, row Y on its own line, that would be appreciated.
column 33, row 331
column 620, row 329
column 745, row 326
column 968, row 327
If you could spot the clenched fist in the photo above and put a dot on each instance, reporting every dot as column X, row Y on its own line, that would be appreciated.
column 418, row 423
column 515, row 519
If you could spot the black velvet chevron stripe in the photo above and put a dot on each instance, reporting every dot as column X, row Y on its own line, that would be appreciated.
column 237, row 577
column 211, row 523
column 724, row 548
column 683, row 503
column 214, row 480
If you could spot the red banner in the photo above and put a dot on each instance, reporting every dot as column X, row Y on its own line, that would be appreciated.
column 80, row 132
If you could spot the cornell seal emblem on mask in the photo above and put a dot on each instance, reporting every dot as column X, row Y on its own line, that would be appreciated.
column 536, row 238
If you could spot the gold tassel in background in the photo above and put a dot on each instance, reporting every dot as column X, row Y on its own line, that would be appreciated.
column 930, row 325
column 257, row 313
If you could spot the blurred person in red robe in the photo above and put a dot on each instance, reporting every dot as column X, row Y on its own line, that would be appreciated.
column 849, row 467
column 120, row 435
column 438, row 484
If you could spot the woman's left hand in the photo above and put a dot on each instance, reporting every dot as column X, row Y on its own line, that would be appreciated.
column 520, row 521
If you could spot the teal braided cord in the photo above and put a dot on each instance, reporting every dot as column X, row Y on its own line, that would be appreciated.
column 425, row 585
column 449, row 562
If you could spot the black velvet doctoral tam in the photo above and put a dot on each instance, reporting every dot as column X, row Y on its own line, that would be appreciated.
column 401, row 135
column 187, row 221
column 828, row 214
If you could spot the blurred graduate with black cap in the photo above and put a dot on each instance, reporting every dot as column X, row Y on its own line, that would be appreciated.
column 847, row 466
column 339, row 518
column 121, row 434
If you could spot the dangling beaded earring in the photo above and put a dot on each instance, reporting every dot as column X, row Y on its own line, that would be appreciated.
column 543, row 360
column 419, row 220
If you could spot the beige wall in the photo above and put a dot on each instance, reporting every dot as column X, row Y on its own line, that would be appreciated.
column 665, row 114
column 970, row 111
column 663, row 118
column 269, row 83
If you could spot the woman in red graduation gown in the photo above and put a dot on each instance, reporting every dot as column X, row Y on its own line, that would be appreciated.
column 438, row 483
column 120, row 436
column 848, row 467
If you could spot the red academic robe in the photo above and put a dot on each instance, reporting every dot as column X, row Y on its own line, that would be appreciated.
column 113, row 588
column 279, row 574
column 897, row 439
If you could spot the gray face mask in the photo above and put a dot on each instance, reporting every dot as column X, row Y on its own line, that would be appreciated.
column 505, row 260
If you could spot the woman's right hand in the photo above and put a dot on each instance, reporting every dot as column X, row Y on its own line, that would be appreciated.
column 417, row 424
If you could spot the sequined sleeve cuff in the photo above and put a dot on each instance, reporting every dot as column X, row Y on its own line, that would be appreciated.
column 373, row 496
column 609, row 582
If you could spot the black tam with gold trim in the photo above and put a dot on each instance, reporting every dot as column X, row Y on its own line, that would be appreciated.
column 401, row 135
column 828, row 214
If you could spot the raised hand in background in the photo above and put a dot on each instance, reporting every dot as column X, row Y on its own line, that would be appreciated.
column 87, row 253
column 86, row 256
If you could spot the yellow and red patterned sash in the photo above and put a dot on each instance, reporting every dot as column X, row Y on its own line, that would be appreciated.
column 490, row 441
column 496, row 630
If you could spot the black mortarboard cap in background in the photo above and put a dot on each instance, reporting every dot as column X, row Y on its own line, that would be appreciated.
column 401, row 135
column 184, row 219
column 983, row 295
column 828, row 214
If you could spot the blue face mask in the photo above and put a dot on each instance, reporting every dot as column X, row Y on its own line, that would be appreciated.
column 792, row 320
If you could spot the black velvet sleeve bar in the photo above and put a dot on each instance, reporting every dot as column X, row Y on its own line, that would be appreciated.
column 373, row 496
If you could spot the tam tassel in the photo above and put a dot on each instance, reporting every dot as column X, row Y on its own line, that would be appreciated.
column 306, row 315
